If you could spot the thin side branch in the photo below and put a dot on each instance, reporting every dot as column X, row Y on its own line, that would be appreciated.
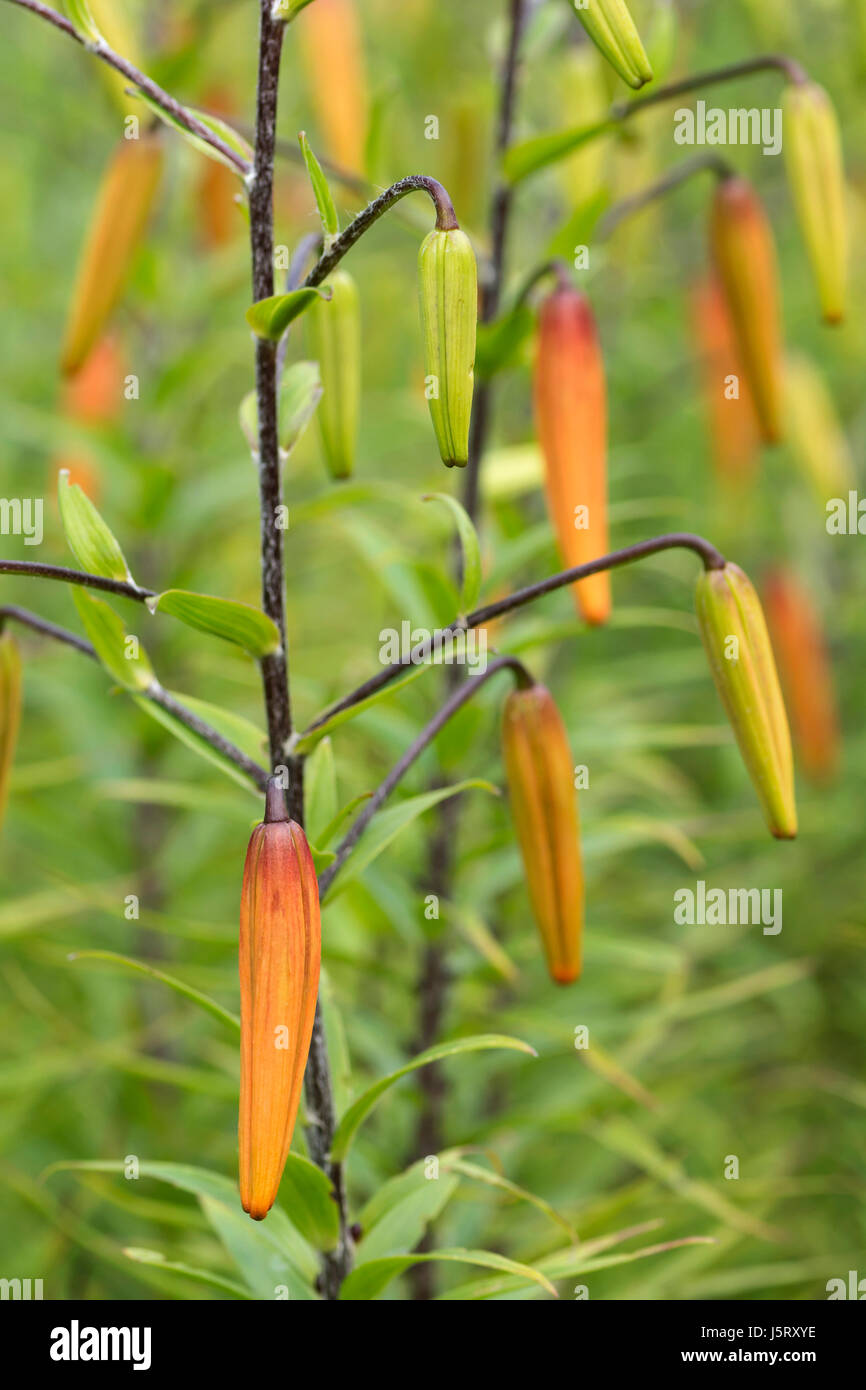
column 67, row 576
column 446, row 221
column 766, row 62
column 100, row 49
column 680, row 174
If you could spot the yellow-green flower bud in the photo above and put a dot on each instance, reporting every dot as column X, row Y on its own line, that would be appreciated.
column 813, row 155
column 449, row 312
column 334, row 335
column 10, row 711
column 743, row 667
column 612, row 30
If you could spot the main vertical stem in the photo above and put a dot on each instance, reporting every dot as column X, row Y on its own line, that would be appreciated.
column 435, row 975
column 275, row 672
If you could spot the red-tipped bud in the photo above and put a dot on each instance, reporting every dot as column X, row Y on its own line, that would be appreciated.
column 805, row 672
column 745, row 257
column 540, row 774
column 280, row 950
column 571, row 420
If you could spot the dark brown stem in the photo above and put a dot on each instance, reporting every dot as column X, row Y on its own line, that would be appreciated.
column 67, row 576
column 687, row 169
column 446, row 221
column 168, row 103
column 624, row 110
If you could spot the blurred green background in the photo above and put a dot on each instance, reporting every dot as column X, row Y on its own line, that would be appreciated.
column 706, row 1042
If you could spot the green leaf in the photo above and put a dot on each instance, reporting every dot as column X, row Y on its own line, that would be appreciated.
column 324, row 201
column 269, row 318
column 194, row 1272
column 493, row 1179
column 90, row 540
column 578, row 229
column 195, row 742
column 78, row 12
column 240, row 623
column 226, row 133
column 243, row 733
column 309, row 1199
column 368, row 1280
column 308, row 741
column 329, row 832
column 299, row 395
column 320, row 786
column 361, row 1108
column 529, row 156
column 387, row 825
column 498, row 343
column 121, row 654
column 398, row 1214
column 470, row 548
column 142, row 968
column 287, row 10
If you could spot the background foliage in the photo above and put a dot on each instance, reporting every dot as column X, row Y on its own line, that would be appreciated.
column 705, row 1041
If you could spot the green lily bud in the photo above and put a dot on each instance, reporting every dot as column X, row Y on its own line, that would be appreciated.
column 612, row 30
column 449, row 313
column 334, row 335
column 741, row 660
column 813, row 154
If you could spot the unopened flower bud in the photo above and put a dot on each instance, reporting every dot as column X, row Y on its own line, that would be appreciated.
column 813, row 156
column 334, row 335
column 540, row 774
column 280, row 949
column 804, row 667
column 743, row 667
column 612, row 30
column 448, row 279
column 10, row 711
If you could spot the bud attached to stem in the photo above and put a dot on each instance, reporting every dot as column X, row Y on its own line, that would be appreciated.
column 540, row 774
column 280, row 950
column 741, row 660
column 745, row 257
column 334, row 335
column 813, row 155
column 448, row 280
column 571, row 420
column 612, row 30
column 10, row 711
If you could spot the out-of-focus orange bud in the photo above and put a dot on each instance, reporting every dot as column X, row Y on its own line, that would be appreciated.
column 541, row 791
column 123, row 206
column 732, row 422
column 82, row 469
column 744, row 252
column 330, row 41
column 219, row 221
column 94, row 394
column 280, row 951
column 571, row 420
column 805, row 672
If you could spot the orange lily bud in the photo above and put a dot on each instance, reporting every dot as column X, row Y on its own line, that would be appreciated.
column 330, row 39
column 10, row 711
column 123, row 206
column 219, row 221
column 733, row 427
column 745, row 257
column 280, row 951
column 804, row 667
column 571, row 420
column 94, row 394
column 540, row 774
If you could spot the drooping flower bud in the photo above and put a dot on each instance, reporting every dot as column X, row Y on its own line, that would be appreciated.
column 813, row 157
column 741, row 661
column 745, row 257
column 571, row 420
column 123, row 206
column 733, row 428
column 10, row 711
column 280, row 949
column 448, row 281
column 612, row 30
column 540, row 774
column 334, row 329
column 94, row 395
column 804, row 667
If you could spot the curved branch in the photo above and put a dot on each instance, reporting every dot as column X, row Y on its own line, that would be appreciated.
column 766, row 62
column 680, row 174
column 446, row 221
column 712, row 558
column 100, row 49
column 67, row 576
column 454, row 702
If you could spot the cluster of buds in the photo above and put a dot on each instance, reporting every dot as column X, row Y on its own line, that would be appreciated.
column 804, row 666
column 334, row 332
column 123, row 207
column 571, row 421
column 741, row 660
column 744, row 254
column 10, row 711
column 540, row 774
column 813, row 154
column 280, row 952
column 448, row 280
column 612, row 30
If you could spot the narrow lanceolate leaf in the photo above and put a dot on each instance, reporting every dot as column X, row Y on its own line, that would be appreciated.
column 78, row 12
column 269, row 318
column 813, row 155
column 240, row 623
column 527, row 157
column 196, row 743
column 299, row 393
column 373, row 1277
column 360, row 1109
column 90, row 540
column 308, row 1196
column 741, row 660
column 448, row 281
column 612, row 30
column 214, row 124
column 321, row 191
column 119, row 651
column 10, row 712
column 140, row 967
column 470, row 548
column 320, row 790
column 123, row 206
